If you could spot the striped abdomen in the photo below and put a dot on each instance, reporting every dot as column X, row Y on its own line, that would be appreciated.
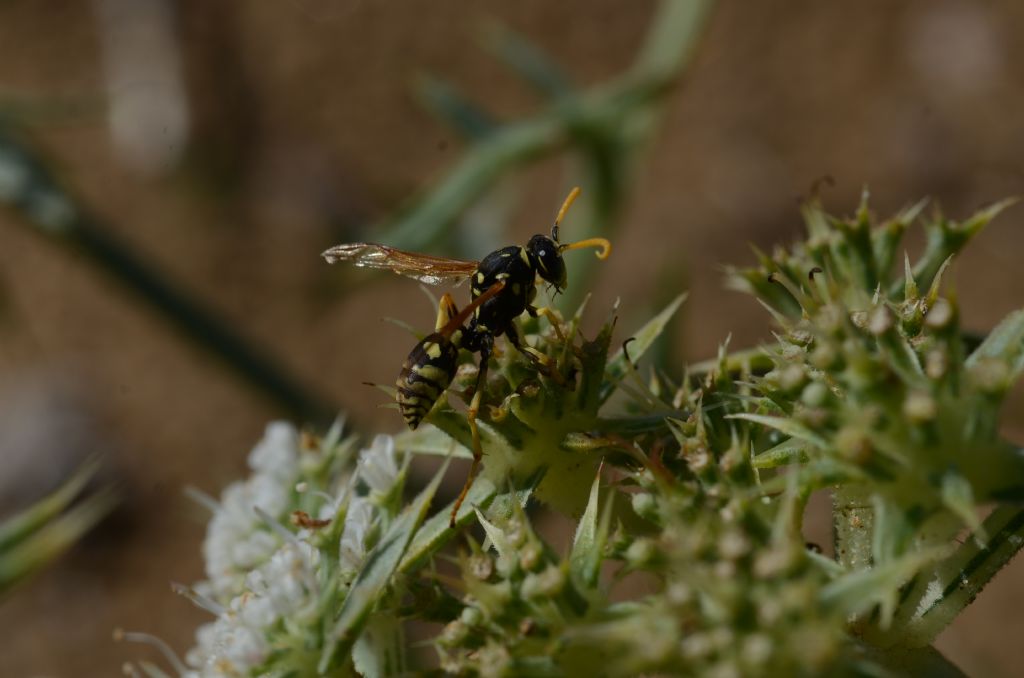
column 426, row 374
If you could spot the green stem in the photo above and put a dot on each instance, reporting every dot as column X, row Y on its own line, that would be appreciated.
column 957, row 581
column 853, row 519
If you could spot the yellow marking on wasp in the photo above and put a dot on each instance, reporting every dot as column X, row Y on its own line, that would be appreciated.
column 479, row 277
column 434, row 373
column 418, row 390
column 506, row 254
column 446, row 310
column 524, row 256
column 433, row 350
column 501, row 276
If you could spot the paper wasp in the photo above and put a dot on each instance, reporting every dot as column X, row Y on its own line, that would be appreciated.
column 503, row 287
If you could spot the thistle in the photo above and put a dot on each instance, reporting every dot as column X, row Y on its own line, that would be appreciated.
column 685, row 494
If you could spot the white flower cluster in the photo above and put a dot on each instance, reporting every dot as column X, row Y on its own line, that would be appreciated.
column 237, row 540
column 267, row 574
column 378, row 468
column 285, row 587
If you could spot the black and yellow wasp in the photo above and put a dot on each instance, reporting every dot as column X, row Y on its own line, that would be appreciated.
column 503, row 287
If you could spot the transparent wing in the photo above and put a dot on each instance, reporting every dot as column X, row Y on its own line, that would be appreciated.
column 423, row 267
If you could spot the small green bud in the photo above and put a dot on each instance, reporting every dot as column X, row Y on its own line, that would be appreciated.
column 493, row 659
column 880, row 321
column 830, row 319
column 826, row 357
column 507, row 566
column 696, row 646
column 792, row 352
column 679, row 594
column 939, row 315
column 853, row 445
column 641, row 552
column 733, row 545
column 698, row 459
column 645, row 506
column 801, row 337
column 815, row 417
column 545, row 584
column 919, row 407
column 936, row 362
column 815, row 394
column 859, row 319
column 515, row 531
column 481, row 566
column 453, row 634
column 530, row 556
column 471, row 616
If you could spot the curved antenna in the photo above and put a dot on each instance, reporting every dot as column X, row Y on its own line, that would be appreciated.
column 569, row 200
column 603, row 243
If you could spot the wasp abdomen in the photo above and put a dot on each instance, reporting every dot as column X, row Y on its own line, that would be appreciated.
column 425, row 375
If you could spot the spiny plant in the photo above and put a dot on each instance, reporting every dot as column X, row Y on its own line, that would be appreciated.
column 687, row 494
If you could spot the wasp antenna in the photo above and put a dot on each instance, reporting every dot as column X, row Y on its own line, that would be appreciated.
column 569, row 200
column 603, row 243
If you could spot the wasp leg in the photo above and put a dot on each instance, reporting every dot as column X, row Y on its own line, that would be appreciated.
column 542, row 363
column 446, row 310
column 474, row 408
column 556, row 322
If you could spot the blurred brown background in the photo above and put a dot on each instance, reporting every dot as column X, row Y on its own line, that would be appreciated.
column 230, row 142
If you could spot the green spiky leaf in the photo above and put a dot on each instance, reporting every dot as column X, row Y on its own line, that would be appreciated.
column 374, row 577
column 616, row 368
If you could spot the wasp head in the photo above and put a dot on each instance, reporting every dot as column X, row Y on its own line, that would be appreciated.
column 546, row 257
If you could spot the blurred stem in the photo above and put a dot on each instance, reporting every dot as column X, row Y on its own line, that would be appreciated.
column 618, row 113
column 28, row 187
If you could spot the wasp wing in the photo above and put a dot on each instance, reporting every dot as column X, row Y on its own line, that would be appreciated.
column 423, row 267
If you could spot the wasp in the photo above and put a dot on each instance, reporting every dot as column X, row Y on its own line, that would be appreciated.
column 503, row 286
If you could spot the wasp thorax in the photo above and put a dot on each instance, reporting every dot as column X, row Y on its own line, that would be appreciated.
column 546, row 257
